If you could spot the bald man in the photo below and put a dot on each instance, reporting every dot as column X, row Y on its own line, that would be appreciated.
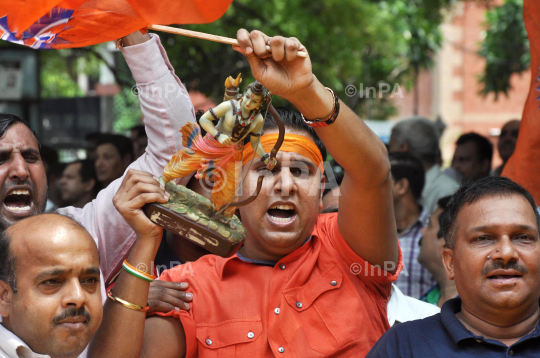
column 50, row 297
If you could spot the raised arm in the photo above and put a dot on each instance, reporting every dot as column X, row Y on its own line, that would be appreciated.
column 122, row 330
column 365, row 218
column 166, row 108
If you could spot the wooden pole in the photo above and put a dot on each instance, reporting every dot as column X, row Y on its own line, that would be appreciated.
column 203, row 36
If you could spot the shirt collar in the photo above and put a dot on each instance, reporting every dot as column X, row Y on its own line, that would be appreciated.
column 459, row 332
column 455, row 328
column 14, row 347
column 221, row 263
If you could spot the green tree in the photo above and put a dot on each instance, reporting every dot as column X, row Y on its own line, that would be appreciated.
column 505, row 48
column 351, row 42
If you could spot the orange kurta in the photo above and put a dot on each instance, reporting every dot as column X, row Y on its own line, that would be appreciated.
column 310, row 304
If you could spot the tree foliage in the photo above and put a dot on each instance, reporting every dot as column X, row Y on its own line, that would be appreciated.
column 350, row 42
column 505, row 48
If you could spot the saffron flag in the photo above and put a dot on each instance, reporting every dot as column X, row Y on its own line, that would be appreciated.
column 57, row 24
column 523, row 167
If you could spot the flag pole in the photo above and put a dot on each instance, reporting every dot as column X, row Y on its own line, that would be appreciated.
column 203, row 36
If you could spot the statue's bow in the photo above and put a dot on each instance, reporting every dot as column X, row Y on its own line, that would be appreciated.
column 273, row 152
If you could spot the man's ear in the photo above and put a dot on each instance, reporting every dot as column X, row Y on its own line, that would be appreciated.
column 6, row 297
column 323, row 186
column 448, row 262
column 401, row 186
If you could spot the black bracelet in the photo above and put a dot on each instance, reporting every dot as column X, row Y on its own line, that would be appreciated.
column 216, row 136
column 264, row 157
column 317, row 123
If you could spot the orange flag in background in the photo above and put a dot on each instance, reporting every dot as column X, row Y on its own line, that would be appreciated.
column 54, row 24
column 524, row 165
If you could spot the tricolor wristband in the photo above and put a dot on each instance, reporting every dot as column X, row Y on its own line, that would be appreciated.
column 135, row 272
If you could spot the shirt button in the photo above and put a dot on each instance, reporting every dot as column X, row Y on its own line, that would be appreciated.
column 333, row 283
column 299, row 304
column 276, row 311
column 282, row 266
column 511, row 352
column 281, row 350
column 251, row 335
column 208, row 341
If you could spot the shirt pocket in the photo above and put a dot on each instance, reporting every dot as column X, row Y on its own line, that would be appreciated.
column 229, row 338
column 324, row 308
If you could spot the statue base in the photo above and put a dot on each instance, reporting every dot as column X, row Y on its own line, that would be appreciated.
column 192, row 217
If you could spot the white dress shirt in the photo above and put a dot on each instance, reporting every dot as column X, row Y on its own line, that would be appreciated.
column 12, row 347
column 403, row 308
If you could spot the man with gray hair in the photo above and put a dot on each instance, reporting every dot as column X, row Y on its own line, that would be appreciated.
column 420, row 137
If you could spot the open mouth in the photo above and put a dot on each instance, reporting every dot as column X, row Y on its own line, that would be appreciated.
column 282, row 213
column 504, row 277
column 18, row 200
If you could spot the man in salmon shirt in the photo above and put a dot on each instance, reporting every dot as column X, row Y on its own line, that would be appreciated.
column 303, row 284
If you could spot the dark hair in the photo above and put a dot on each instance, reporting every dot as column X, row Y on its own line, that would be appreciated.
column 406, row 165
column 123, row 144
column 7, row 261
column 472, row 191
column 93, row 136
column 198, row 116
column 87, row 172
column 257, row 89
column 48, row 155
column 293, row 120
column 7, row 120
column 442, row 203
column 484, row 148
column 140, row 130
column 338, row 172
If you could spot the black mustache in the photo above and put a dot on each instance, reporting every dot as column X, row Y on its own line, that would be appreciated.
column 499, row 265
column 72, row 312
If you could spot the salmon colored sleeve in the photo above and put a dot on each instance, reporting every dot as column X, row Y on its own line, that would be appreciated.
column 376, row 278
column 524, row 165
column 186, row 317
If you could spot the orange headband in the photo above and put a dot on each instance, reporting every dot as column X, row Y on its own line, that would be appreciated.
column 292, row 143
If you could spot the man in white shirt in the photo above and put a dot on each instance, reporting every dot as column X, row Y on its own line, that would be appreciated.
column 403, row 308
column 50, row 297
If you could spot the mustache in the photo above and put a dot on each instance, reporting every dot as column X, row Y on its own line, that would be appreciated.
column 72, row 312
column 499, row 265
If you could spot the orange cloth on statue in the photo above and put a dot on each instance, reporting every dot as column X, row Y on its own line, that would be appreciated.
column 292, row 143
column 208, row 157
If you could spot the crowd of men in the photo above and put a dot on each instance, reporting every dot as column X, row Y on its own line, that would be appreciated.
column 395, row 257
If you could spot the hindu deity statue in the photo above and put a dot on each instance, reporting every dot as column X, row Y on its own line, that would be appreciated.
column 218, row 155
